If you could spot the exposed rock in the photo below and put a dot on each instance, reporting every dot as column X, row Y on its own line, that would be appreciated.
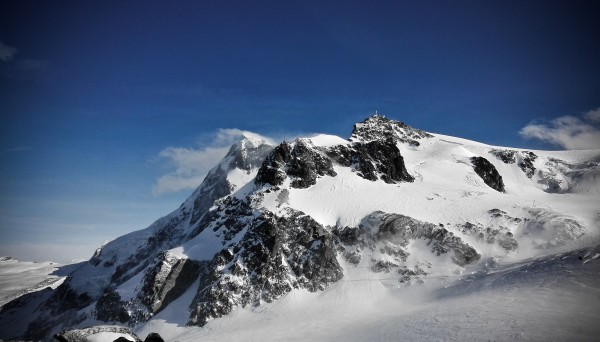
column 167, row 281
column 498, row 234
column 153, row 337
column 385, row 238
column 122, row 339
column 400, row 230
column 216, row 187
column 415, row 273
column 110, row 308
column 378, row 127
column 301, row 162
column 526, row 163
column 382, row 266
column 378, row 159
column 524, row 159
column 275, row 255
column 488, row 173
column 507, row 156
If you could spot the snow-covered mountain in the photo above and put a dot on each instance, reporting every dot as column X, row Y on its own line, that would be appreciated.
column 324, row 228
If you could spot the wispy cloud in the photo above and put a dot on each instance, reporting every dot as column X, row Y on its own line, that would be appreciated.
column 15, row 149
column 7, row 52
column 569, row 132
column 190, row 165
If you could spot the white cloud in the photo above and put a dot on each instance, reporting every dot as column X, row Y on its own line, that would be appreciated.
column 7, row 52
column 593, row 115
column 192, row 164
column 569, row 132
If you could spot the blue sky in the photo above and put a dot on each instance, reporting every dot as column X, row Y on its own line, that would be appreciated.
column 101, row 100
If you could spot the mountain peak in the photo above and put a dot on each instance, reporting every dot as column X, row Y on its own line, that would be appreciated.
column 255, row 139
column 371, row 213
column 378, row 127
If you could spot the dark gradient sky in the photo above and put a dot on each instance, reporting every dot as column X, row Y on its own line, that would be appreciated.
column 97, row 89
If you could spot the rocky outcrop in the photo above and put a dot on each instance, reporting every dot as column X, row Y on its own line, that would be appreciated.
column 488, row 173
column 166, row 281
column 400, row 230
column 275, row 255
column 384, row 239
column 378, row 127
column 110, row 308
column 216, row 187
column 378, row 159
column 299, row 161
column 153, row 337
column 168, row 236
column 524, row 159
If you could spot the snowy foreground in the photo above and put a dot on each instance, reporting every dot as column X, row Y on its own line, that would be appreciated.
column 394, row 234
column 553, row 298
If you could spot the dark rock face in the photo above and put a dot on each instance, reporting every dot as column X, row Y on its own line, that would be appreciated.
column 526, row 163
column 373, row 154
column 488, row 173
column 275, row 255
column 378, row 127
column 300, row 162
column 166, row 281
column 507, row 156
column 110, row 308
column 217, row 187
column 153, row 337
column 169, row 235
column 122, row 339
column 373, row 160
column 525, row 159
column 271, row 170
